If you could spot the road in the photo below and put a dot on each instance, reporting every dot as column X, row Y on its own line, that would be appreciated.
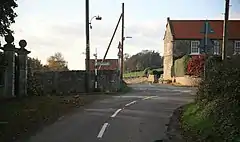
column 138, row 116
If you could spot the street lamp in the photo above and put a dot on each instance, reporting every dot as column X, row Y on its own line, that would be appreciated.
column 90, row 25
column 97, row 18
column 127, row 37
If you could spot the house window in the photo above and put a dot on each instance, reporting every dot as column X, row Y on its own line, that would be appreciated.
column 195, row 47
column 237, row 47
column 216, row 47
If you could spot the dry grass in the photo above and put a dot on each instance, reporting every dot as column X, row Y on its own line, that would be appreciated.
column 136, row 80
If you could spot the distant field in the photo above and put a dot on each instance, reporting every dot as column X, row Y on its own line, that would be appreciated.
column 133, row 74
column 160, row 69
column 137, row 74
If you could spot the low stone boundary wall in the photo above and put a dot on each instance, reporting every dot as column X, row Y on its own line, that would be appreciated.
column 152, row 78
column 187, row 80
column 67, row 82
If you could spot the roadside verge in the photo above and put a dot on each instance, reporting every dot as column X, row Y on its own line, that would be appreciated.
column 20, row 118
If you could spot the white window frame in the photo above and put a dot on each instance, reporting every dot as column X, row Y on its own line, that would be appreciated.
column 216, row 47
column 237, row 47
column 195, row 44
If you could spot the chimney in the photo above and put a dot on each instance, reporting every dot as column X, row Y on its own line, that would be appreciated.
column 168, row 18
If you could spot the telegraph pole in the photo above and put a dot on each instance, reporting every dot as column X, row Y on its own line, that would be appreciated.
column 225, row 30
column 87, row 49
column 121, row 75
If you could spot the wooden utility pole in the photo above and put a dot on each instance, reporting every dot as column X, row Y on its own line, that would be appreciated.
column 87, row 67
column 123, row 38
column 115, row 30
column 225, row 30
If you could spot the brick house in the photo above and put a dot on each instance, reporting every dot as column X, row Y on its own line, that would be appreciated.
column 183, row 37
column 113, row 64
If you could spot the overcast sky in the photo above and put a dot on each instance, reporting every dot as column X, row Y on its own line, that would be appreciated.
column 51, row 26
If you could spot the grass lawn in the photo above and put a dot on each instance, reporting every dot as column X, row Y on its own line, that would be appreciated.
column 21, row 118
column 159, row 69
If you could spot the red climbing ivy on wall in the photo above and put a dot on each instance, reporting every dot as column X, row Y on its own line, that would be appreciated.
column 195, row 65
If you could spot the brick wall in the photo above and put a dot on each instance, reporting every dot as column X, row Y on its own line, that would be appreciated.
column 67, row 82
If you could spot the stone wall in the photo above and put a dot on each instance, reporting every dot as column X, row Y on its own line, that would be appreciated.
column 108, row 80
column 183, row 47
column 168, row 53
column 152, row 78
column 68, row 82
column 187, row 80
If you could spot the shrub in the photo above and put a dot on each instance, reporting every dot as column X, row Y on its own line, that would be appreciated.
column 222, row 86
column 150, row 72
column 223, row 78
column 156, row 72
column 34, row 87
column 195, row 66
column 145, row 72
column 180, row 66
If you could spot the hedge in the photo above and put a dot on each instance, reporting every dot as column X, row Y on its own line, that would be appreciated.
column 156, row 72
column 216, row 115
column 180, row 66
column 145, row 72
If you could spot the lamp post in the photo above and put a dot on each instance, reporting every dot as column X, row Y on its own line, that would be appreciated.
column 127, row 37
column 97, row 18
column 87, row 61
column 95, row 55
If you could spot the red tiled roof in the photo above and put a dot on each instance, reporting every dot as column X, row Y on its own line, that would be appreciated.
column 113, row 64
column 190, row 29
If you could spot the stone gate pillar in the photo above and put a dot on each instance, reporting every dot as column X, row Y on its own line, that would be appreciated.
column 22, row 56
column 9, row 58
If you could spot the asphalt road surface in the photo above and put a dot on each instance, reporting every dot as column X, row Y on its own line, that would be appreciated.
column 138, row 116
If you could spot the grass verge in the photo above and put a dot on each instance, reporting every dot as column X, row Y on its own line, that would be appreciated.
column 133, row 74
column 195, row 123
column 125, row 88
column 198, row 124
column 21, row 118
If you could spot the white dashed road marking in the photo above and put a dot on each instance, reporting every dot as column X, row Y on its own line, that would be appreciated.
column 130, row 103
column 146, row 98
column 100, row 134
column 104, row 127
column 116, row 112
